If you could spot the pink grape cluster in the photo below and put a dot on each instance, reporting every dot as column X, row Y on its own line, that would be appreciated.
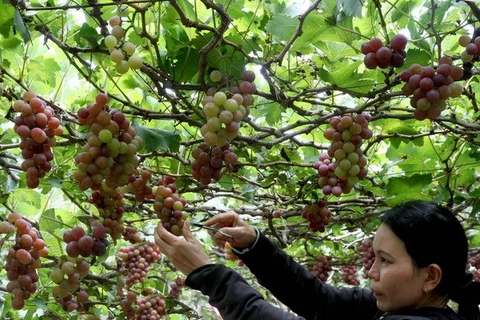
column 368, row 256
column 224, row 112
column 37, row 127
column 430, row 88
column 208, row 162
column 111, row 207
column 344, row 163
column 150, row 308
column 349, row 275
column 136, row 259
column 67, row 276
column 471, row 53
column 122, row 52
column 168, row 205
column 378, row 55
column 110, row 155
column 131, row 235
column 79, row 243
column 176, row 287
column 23, row 259
column 322, row 266
column 317, row 214
column 474, row 261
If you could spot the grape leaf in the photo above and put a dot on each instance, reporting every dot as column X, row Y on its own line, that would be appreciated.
column 407, row 188
column 282, row 27
column 154, row 139
column 21, row 27
column 351, row 7
column 6, row 18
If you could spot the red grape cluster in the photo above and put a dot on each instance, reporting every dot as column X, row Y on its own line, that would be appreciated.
column 67, row 274
column 208, row 162
column 122, row 52
column 474, row 261
column 36, row 126
column 109, row 156
column 378, row 55
column 347, row 134
column 131, row 235
column 322, row 266
column 368, row 256
column 169, row 205
column 23, row 260
column 430, row 88
column 150, row 308
column 139, row 186
column 176, row 287
column 136, row 260
column 349, row 275
column 472, row 48
column 79, row 243
column 111, row 207
column 317, row 214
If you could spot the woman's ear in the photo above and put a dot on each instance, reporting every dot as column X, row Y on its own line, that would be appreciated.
column 433, row 277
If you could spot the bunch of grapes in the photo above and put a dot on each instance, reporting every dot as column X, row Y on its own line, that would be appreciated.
column 67, row 274
column 122, row 52
column 136, row 260
column 139, row 186
column 378, row 55
column 431, row 88
column 79, row 243
column 224, row 112
column 321, row 268
column 208, row 162
column 347, row 134
column 131, row 235
column 349, row 275
column 176, row 287
column 368, row 256
column 317, row 214
column 109, row 156
column 23, row 260
column 474, row 261
column 472, row 48
column 111, row 207
column 126, row 303
column 36, row 126
column 169, row 205
column 150, row 308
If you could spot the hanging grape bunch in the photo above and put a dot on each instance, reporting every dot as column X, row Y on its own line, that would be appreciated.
column 322, row 266
column 208, row 162
column 317, row 214
column 109, row 156
column 349, row 275
column 36, row 126
column 474, row 261
column 122, row 52
column 344, row 163
column 471, row 53
column 169, row 205
column 67, row 274
column 135, row 261
column 430, row 88
column 225, row 110
column 150, row 307
column 22, row 259
column 176, row 287
column 139, row 186
column 378, row 55
column 80, row 243
column 111, row 207
column 368, row 257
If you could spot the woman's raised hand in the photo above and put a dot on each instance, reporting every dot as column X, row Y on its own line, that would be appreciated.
column 186, row 253
column 243, row 235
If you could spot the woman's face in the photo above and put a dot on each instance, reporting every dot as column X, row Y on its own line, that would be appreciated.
column 397, row 283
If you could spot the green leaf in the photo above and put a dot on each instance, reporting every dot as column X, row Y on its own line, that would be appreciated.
column 21, row 27
column 6, row 18
column 282, row 27
column 51, row 220
column 407, row 188
column 154, row 139
column 336, row 50
column 53, row 243
column 351, row 7
column 89, row 34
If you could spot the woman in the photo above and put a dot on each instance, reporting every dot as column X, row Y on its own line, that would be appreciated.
column 420, row 258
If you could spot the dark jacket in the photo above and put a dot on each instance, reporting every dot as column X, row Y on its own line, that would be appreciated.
column 294, row 286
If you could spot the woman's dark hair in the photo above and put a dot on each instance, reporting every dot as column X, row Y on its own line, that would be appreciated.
column 433, row 235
